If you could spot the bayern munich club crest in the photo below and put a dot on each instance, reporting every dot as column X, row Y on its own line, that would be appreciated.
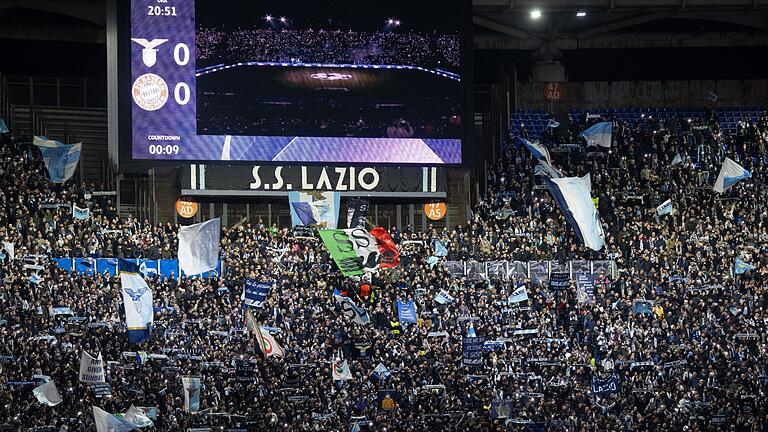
column 150, row 92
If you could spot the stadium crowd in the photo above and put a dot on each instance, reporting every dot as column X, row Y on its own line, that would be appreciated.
column 326, row 46
column 696, row 361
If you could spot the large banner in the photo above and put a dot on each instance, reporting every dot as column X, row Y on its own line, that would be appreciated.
column 199, row 179
column 472, row 348
column 605, row 386
column 91, row 368
column 342, row 251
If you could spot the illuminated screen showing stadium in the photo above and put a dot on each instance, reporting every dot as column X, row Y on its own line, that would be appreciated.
column 325, row 81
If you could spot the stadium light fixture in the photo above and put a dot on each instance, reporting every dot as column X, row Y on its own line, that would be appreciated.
column 268, row 18
column 581, row 14
column 390, row 21
column 397, row 22
column 536, row 14
column 283, row 19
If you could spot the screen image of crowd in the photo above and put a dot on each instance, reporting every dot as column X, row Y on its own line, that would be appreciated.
column 377, row 80
column 429, row 50
column 691, row 355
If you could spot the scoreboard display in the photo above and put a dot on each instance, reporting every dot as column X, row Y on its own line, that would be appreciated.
column 298, row 82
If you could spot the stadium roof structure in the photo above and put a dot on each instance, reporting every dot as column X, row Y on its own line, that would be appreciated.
column 554, row 25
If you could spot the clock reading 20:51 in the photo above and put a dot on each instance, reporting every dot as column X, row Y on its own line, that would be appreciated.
column 161, row 11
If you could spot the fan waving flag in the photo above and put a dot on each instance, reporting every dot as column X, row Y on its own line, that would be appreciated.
column 106, row 422
column 199, row 247
column 47, row 394
column 60, row 159
column 741, row 266
column 314, row 209
column 598, row 134
column 267, row 344
column 137, row 298
column 664, row 208
column 406, row 311
column 390, row 256
column 538, row 151
column 3, row 127
column 352, row 311
column 340, row 371
column 255, row 293
column 357, row 212
column 575, row 201
column 730, row 174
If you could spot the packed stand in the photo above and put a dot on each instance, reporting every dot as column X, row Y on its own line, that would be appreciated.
column 696, row 362
column 328, row 46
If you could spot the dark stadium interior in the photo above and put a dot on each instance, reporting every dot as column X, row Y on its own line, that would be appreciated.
column 598, row 261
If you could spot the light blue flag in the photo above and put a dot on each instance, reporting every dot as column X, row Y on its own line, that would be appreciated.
column 106, row 422
column 137, row 299
column 406, row 312
column 518, row 295
column 572, row 196
column 741, row 266
column 664, row 208
column 3, row 127
column 553, row 124
column 80, row 213
column 191, row 387
column 538, row 151
column 440, row 249
column 306, row 210
column 730, row 174
column 60, row 159
column 432, row 261
column 381, row 372
column 598, row 134
column 198, row 249
column 444, row 297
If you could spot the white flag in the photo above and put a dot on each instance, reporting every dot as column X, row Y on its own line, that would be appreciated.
column 664, row 208
column 106, row 422
column 199, row 247
column 588, row 181
column 341, row 371
column 137, row 299
column 730, row 174
column 678, row 159
column 573, row 197
column 10, row 249
column 191, row 393
column 138, row 416
column 91, row 369
column 47, row 394
column 520, row 294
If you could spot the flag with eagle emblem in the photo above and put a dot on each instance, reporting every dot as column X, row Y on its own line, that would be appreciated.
column 137, row 298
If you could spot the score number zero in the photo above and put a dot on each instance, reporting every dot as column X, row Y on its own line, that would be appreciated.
column 181, row 92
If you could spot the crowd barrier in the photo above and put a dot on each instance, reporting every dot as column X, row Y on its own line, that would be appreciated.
column 163, row 268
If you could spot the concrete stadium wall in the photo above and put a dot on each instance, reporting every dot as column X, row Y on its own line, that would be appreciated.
column 602, row 94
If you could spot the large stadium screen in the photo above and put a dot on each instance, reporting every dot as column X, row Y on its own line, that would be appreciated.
column 343, row 81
